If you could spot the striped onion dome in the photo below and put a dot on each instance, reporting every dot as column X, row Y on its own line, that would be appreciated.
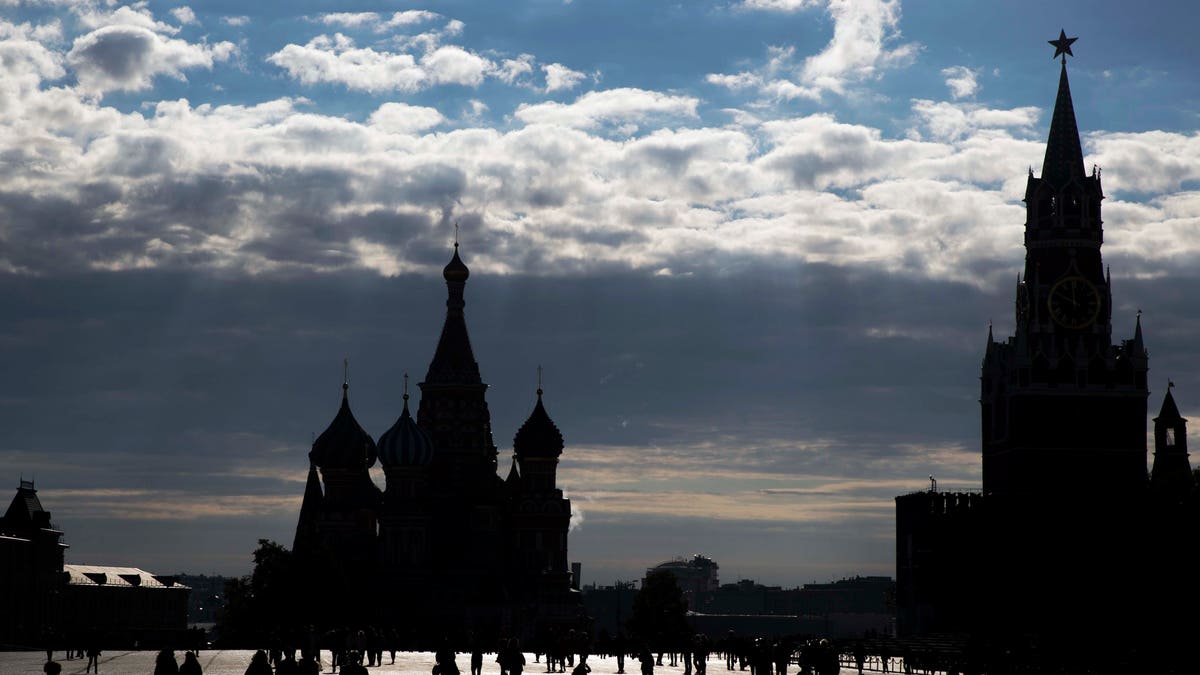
column 405, row 444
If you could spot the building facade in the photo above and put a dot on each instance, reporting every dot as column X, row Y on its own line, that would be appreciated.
column 1069, row 535
column 45, row 602
column 447, row 546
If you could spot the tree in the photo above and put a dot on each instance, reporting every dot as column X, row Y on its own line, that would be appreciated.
column 265, row 601
column 659, row 612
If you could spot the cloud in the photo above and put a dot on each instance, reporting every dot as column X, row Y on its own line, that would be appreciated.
column 336, row 59
column 184, row 15
column 235, row 20
column 375, row 20
column 511, row 70
column 26, row 58
column 865, row 33
column 401, row 118
column 127, row 48
column 626, row 105
column 560, row 77
column 961, row 81
column 779, row 5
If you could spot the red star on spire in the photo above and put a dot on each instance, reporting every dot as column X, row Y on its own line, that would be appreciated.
column 1062, row 45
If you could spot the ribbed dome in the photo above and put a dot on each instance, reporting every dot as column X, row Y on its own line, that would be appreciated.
column 405, row 444
column 538, row 437
column 344, row 445
column 456, row 270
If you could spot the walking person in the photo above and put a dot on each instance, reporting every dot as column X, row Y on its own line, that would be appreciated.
column 476, row 656
column 93, row 654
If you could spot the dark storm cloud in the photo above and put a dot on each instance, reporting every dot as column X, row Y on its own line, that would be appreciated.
column 170, row 373
column 116, row 53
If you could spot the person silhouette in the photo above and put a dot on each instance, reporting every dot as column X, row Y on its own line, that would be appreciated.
column 308, row 666
column 259, row 664
column 286, row 666
column 647, row 660
column 444, row 659
column 476, row 655
column 516, row 660
column 93, row 653
column 190, row 665
column 165, row 663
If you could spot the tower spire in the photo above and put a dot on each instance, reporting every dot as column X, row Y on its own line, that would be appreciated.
column 453, row 361
column 1064, row 154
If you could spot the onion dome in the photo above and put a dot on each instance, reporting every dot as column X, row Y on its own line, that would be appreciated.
column 456, row 270
column 405, row 444
column 538, row 437
column 344, row 445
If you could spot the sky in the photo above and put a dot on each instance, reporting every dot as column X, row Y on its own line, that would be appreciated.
column 755, row 245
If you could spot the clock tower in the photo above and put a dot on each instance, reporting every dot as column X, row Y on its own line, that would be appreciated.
column 1063, row 406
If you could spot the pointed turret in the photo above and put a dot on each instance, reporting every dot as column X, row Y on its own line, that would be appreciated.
column 1139, row 347
column 513, row 481
column 310, row 507
column 1171, row 477
column 1064, row 154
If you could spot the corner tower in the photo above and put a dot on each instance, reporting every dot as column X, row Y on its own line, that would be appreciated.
column 1063, row 407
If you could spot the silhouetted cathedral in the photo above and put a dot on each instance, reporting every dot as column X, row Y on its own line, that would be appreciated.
column 447, row 546
column 1069, row 536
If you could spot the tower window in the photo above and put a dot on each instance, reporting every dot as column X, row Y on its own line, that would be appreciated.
column 1170, row 438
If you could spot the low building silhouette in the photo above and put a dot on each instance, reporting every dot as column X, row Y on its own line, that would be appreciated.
column 48, row 603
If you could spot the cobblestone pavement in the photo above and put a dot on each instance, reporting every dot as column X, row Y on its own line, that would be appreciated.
column 234, row 662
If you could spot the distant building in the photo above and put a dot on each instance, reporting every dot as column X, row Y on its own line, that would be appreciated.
column 448, row 546
column 1069, row 536
column 48, row 602
column 696, row 576
column 609, row 607
column 844, row 608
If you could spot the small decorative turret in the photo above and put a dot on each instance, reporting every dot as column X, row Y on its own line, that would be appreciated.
column 1171, row 477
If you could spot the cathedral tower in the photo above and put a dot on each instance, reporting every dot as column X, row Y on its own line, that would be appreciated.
column 1063, row 407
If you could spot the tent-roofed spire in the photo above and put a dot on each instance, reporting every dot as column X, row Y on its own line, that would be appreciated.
column 309, row 507
column 453, row 360
column 1169, row 411
column 1064, row 154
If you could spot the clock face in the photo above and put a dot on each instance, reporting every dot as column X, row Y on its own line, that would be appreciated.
column 1074, row 302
